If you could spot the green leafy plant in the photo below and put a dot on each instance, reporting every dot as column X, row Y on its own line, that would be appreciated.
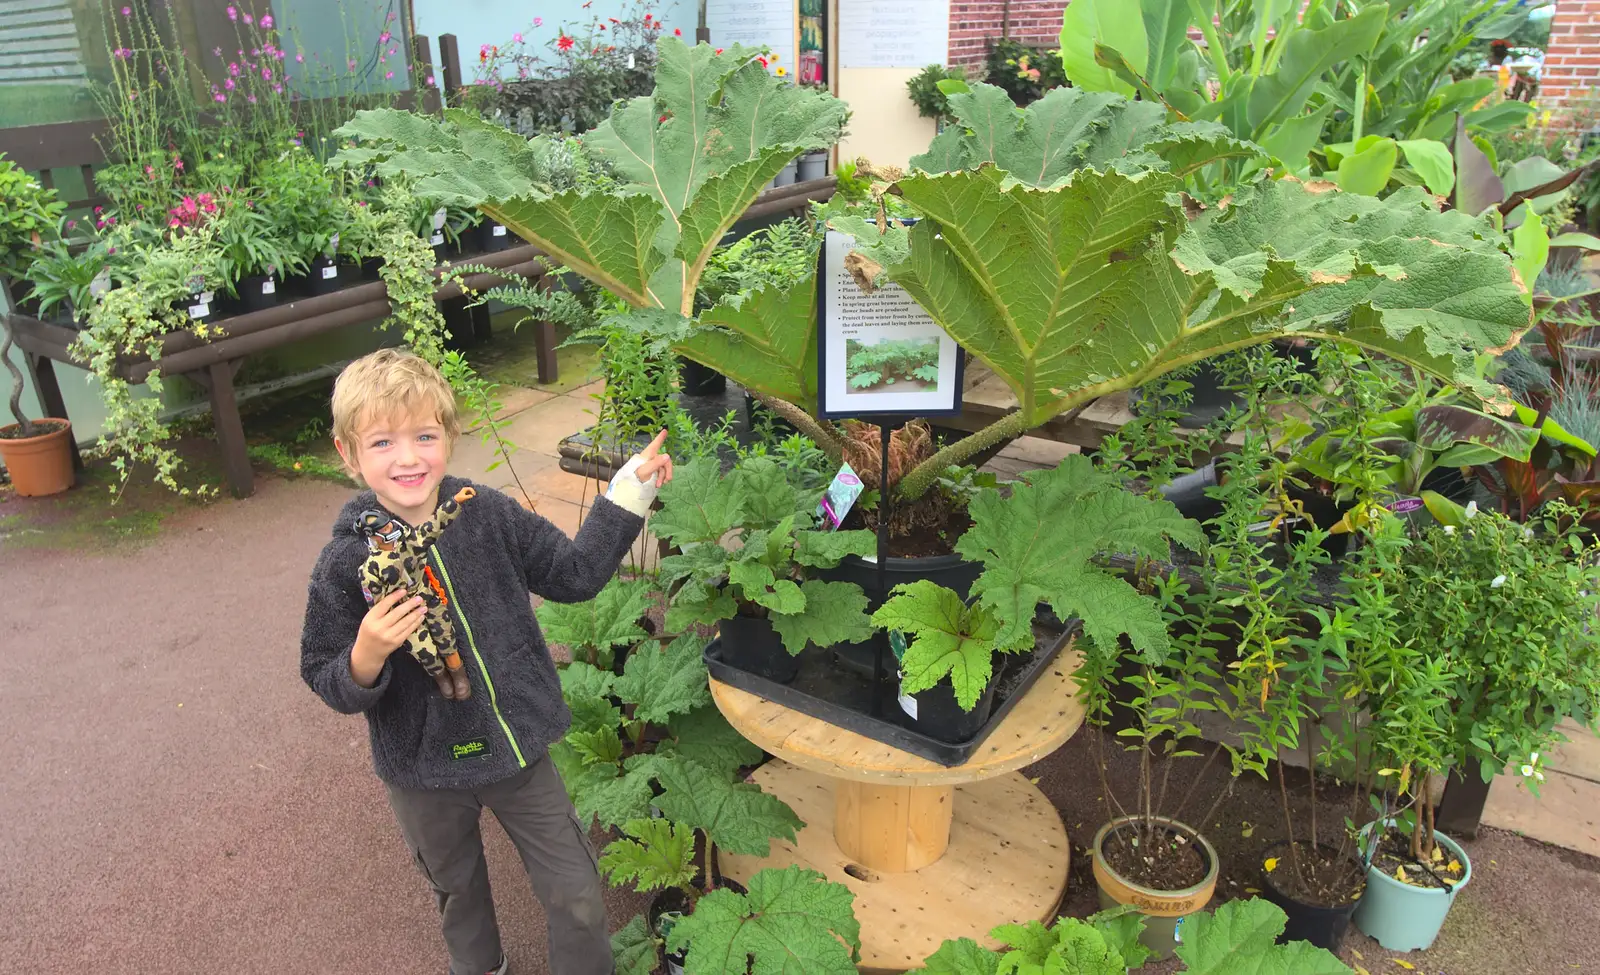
column 31, row 218
column 788, row 914
column 248, row 245
column 593, row 629
column 1039, row 545
column 888, row 362
column 1026, row 73
column 764, row 575
column 1239, row 936
column 923, row 87
column 59, row 278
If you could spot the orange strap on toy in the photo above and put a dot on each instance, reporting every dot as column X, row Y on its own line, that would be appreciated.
column 433, row 583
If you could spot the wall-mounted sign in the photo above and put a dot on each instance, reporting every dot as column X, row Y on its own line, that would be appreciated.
column 893, row 33
column 753, row 23
column 879, row 354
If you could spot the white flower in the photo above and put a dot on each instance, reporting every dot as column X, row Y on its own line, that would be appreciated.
column 1472, row 510
column 1538, row 776
column 1449, row 529
column 1499, row 581
column 1527, row 770
column 1527, row 532
column 1534, row 757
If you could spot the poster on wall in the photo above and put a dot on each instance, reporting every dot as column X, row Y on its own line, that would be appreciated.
column 879, row 354
column 893, row 33
column 753, row 23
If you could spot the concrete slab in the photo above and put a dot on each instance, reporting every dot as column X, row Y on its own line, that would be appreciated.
column 540, row 429
column 1038, row 451
column 1566, row 812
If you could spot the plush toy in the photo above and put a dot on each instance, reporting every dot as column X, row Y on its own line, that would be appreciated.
column 397, row 558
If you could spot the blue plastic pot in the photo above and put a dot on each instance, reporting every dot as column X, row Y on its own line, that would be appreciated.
column 1401, row 917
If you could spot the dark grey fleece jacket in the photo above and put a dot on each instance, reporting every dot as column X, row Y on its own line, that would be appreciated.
column 493, row 555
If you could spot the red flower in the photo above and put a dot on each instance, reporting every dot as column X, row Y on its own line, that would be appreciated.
column 647, row 18
column 661, row 119
column 563, row 43
column 614, row 20
column 719, row 50
column 677, row 32
column 602, row 26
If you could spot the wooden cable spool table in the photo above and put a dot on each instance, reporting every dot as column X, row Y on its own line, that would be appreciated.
column 931, row 851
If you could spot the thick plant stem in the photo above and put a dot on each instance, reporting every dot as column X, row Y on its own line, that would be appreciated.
column 25, row 425
column 1288, row 822
column 820, row 434
column 917, row 482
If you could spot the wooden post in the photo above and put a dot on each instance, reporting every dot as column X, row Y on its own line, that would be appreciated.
column 892, row 828
column 422, row 79
column 218, row 381
column 450, row 62
column 42, row 371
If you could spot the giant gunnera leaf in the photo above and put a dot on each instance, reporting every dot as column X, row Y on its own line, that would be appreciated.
column 692, row 156
column 793, row 922
column 1240, row 938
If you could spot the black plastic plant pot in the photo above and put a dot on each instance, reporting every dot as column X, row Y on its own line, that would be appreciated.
column 750, row 643
column 672, row 904
column 199, row 308
column 371, row 268
column 950, row 571
column 1210, row 400
column 325, row 277
column 258, row 292
column 1324, row 927
column 1187, row 493
column 698, row 380
column 494, row 236
column 936, row 713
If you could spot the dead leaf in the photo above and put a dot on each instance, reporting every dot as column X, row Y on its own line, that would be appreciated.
column 864, row 269
column 1249, row 829
column 1404, row 964
column 1271, row 864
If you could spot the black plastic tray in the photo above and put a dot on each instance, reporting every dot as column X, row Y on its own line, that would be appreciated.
column 831, row 693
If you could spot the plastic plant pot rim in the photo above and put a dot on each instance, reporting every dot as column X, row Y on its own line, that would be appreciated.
column 1449, row 844
column 1209, row 882
column 1281, row 848
column 23, row 444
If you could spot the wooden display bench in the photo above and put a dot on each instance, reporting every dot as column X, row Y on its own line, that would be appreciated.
column 931, row 852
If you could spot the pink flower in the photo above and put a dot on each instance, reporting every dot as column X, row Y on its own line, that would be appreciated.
column 150, row 171
column 392, row 51
column 233, row 68
column 250, row 98
column 351, row 64
column 277, row 89
column 174, row 224
column 428, row 81
column 71, row 224
column 216, row 52
column 538, row 21
column 132, row 95
column 228, row 83
column 127, row 11
column 233, row 13
column 388, row 75
column 249, row 19
column 516, row 38
column 266, row 74
column 384, row 37
column 266, row 21
column 177, row 164
column 299, row 59
column 99, row 210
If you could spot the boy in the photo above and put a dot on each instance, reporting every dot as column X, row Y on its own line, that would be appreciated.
column 443, row 760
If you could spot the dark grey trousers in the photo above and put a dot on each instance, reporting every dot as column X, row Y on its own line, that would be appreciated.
column 441, row 828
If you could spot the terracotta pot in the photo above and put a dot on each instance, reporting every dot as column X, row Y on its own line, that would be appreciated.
column 1164, row 910
column 41, row 464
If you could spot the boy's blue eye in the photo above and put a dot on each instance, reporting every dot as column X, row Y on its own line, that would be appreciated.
column 380, row 443
column 427, row 436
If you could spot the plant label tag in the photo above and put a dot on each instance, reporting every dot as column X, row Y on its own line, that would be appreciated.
column 269, row 287
column 333, row 244
column 908, row 704
column 206, row 297
column 436, row 239
column 101, row 283
column 1404, row 505
column 439, row 216
column 499, row 230
column 330, row 272
column 837, row 500
column 630, row 62
column 199, row 311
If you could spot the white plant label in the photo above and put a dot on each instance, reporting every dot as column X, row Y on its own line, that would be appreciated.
column 101, row 283
column 439, row 217
column 436, row 239
column 199, row 311
column 908, row 704
column 206, row 297
column 330, row 272
column 498, row 231
column 269, row 287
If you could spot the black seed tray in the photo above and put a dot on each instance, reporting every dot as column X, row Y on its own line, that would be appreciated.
column 831, row 693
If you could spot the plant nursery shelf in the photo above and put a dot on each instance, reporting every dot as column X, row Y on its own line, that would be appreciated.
column 931, row 851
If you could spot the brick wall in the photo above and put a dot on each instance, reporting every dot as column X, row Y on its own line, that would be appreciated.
column 1572, row 61
column 973, row 22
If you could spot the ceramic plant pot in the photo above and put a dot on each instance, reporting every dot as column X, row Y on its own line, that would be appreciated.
column 41, row 464
column 1401, row 917
column 1163, row 910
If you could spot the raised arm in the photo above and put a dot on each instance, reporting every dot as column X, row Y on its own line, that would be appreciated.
column 428, row 532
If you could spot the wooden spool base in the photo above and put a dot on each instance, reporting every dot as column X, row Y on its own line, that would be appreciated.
column 1006, row 862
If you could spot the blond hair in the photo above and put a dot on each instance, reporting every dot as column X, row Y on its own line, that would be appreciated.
column 390, row 383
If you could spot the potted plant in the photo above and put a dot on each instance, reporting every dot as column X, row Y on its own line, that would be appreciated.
column 254, row 259
column 30, row 221
column 60, row 279
column 759, row 593
column 1038, row 545
column 925, row 92
column 1498, row 627
column 37, row 454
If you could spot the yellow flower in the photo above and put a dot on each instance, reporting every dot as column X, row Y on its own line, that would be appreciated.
column 1454, row 866
column 296, row 465
column 1271, row 864
column 1404, row 964
column 781, row 71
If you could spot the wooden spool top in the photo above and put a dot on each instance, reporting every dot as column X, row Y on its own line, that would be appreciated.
column 1040, row 723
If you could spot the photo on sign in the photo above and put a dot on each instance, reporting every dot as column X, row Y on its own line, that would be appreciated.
column 878, row 353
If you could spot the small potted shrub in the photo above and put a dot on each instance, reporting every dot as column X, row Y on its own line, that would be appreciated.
column 931, row 100
column 1036, row 545
column 1495, row 646
column 759, row 593
column 63, row 284
column 37, row 453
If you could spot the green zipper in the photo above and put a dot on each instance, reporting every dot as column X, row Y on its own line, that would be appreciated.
column 494, row 702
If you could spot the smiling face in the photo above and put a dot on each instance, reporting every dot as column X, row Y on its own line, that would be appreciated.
column 402, row 457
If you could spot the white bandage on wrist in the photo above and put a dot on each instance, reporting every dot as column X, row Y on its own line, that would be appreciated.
column 628, row 492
